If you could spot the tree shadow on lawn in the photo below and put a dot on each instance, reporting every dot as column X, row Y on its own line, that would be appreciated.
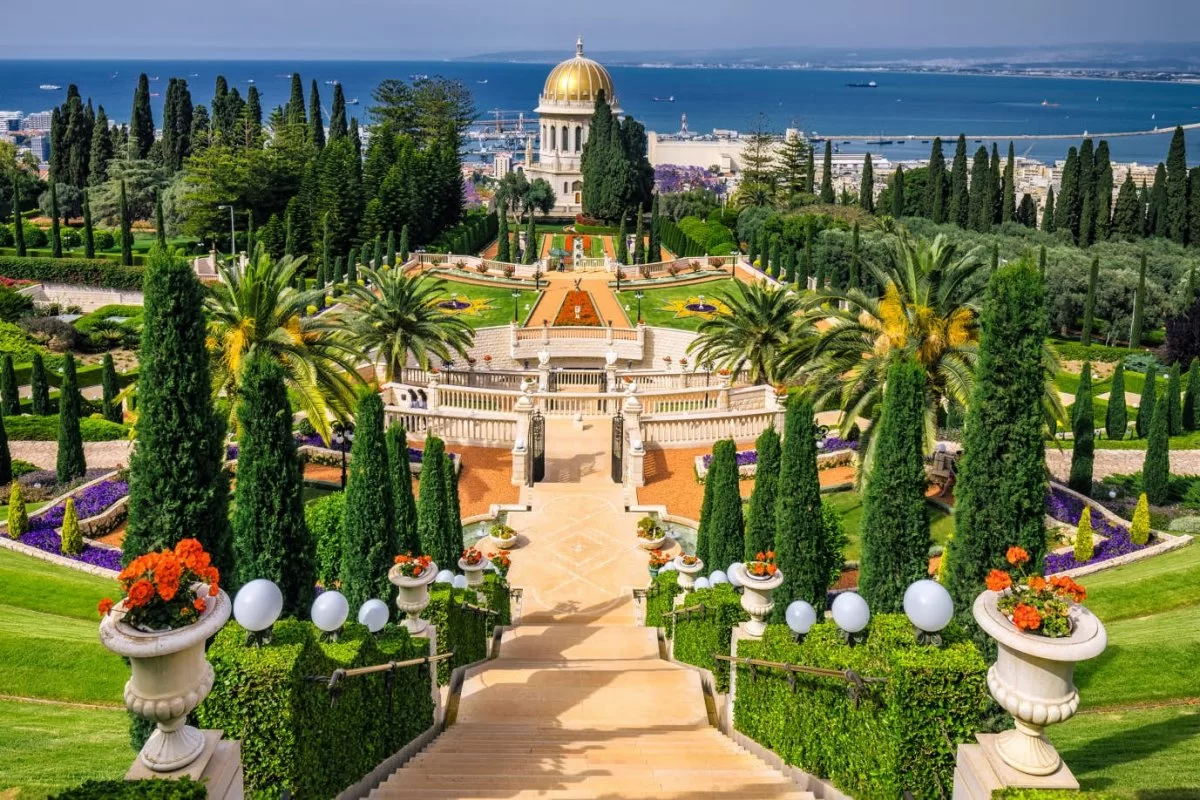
column 1130, row 745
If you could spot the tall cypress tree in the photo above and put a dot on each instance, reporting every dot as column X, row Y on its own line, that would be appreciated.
column 1087, row 196
column 110, row 405
column 1174, row 402
column 270, row 537
column 18, row 220
column 369, row 543
column 1089, row 305
column 531, row 241
column 178, row 487
column 802, row 548
column 936, row 201
column 760, row 518
column 827, row 196
column 981, row 192
column 639, row 242
column 404, row 244
column 89, row 236
column 866, row 194
column 622, row 244
column 898, row 192
column 391, row 246
column 160, row 225
column 502, row 251
column 654, row 255
column 1048, row 214
column 10, row 399
column 1001, row 489
column 809, row 173
column 432, row 511
column 1157, row 212
column 55, row 230
column 1066, row 213
column 141, row 121
column 1102, row 181
column 960, row 198
column 101, row 150
column 995, row 184
column 855, row 256
column 704, row 533
column 1008, row 204
column 1127, row 218
column 71, row 463
column 452, row 536
column 895, row 539
column 316, row 125
column 337, row 114
column 293, row 112
column 1193, row 231
column 377, row 253
column 1083, row 429
column 39, row 386
column 1156, row 469
column 402, row 491
column 1177, row 188
column 352, row 266
column 1139, row 309
column 726, row 529
column 1147, row 403
column 1116, row 417
column 1191, row 414
column 126, row 229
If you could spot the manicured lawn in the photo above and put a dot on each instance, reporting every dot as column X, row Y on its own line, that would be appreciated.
column 665, row 307
column 1134, row 383
column 493, row 305
column 850, row 506
column 48, row 748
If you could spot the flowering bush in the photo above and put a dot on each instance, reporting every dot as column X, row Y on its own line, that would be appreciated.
column 658, row 559
column 472, row 557
column 1068, row 508
column 411, row 566
column 88, row 503
column 763, row 565
column 502, row 563
column 588, row 316
column 1032, row 602
column 166, row 590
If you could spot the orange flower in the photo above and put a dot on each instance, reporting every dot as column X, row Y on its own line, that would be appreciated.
column 760, row 555
column 1037, row 583
column 1016, row 555
column 140, row 593
column 770, row 555
column 1065, row 586
column 998, row 580
column 1027, row 618
column 189, row 548
column 199, row 604
column 105, row 606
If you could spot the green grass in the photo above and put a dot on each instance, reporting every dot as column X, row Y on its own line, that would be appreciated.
column 655, row 304
column 499, row 308
column 48, row 748
column 1135, row 382
column 849, row 505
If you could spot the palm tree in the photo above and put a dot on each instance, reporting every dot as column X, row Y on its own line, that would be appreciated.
column 764, row 326
column 255, row 307
column 396, row 317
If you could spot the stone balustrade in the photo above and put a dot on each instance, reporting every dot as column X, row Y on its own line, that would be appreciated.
column 694, row 430
column 577, row 342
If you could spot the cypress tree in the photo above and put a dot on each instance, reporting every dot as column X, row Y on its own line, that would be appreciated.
column 704, row 533
column 39, row 387
column 1127, row 215
column 5, row 456
column 655, row 254
column 432, row 511
column 1027, row 211
column 726, row 529
column 1087, row 193
column 55, row 230
column 1146, row 405
column 827, row 196
column 402, row 491
column 339, row 271
column 10, row 400
column 18, row 517
column 866, row 195
column 960, row 198
column 377, row 254
column 1116, row 418
column 981, row 192
column 1139, row 303
column 1042, row 261
column 1156, row 469
column 89, row 237
column 126, row 230
column 1089, row 305
column 316, row 126
column 855, row 257
column 404, row 244
column 18, row 220
column 1174, row 403
column 101, row 149
column 160, row 225
column 760, row 518
column 531, row 241
column 809, row 173
column 1001, row 489
column 110, row 405
column 639, row 243
column 808, row 260
column 898, row 192
column 1157, row 213
column 391, row 246
column 1048, row 224
column 502, row 252
column 337, row 114
column 935, row 190
column 995, row 187
column 895, row 529
column 1102, row 179
column 270, row 537
column 1191, row 414
column 1008, row 205
column 752, row 247
column 71, row 542
column 369, row 543
column 802, row 549
column 776, row 253
column 71, row 463
column 622, row 244
column 452, row 535
column 178, row 487
column 352, row 266
column 141, row 121
column 1066, row 213
column 1193, row 232
column 293, row 112
column 1177, row 189
column 1084, row 533
column 1083, row 427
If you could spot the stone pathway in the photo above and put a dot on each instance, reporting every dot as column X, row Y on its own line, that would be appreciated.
column 104, row 455
column 1120, row 462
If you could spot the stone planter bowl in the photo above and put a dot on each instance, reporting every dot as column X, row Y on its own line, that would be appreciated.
column 413, row 596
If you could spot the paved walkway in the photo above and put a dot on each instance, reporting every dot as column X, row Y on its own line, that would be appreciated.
column 557, row 286
column 1120, row 462
column 105, row 455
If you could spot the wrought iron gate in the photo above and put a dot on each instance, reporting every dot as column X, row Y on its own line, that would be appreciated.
column 618, row 448
column 537, row 446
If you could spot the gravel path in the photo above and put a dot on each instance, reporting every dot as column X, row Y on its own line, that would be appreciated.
column 1121, row 462
column 106, row 455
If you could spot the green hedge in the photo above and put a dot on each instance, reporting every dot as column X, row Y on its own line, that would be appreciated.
column 697, row 636
column 462, row 631
column 182, row 789
column 1050, row 794
column 90, row 320
column 292, row 737
column 324, row 519
column 660, row 598
column 895, row 740
column 86, row 272
column 28, row 428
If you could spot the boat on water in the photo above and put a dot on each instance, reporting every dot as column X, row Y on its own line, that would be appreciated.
column 924, row 141
column 1048, row 104
column 485, row 80
column 50, row 87
column 249, row 80
column 154, row 78
column 670, row 99
column 352, row 102
column 867, row 85
column 154, row 94
column 418, row 77
column 880, row 141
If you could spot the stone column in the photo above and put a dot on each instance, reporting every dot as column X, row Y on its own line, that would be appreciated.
column 723, row 392
column 543, row 356
column 610, row 369
column 520, row 451
column 431, row 393
column 636, row 455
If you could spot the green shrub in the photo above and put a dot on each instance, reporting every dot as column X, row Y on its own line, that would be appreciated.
column 292, row 737
column 497, row 594
column 1139, row 528
column 698, row 635
column 181, row 789
column 460, row 630
column 660, row 598
column 18, row 517
column 324, row 520
column 132, row 317
column 88, row 272
column 45, row 429
column 1050, row 794
column 1083, row 536
column 72, row 537
column 899, row 736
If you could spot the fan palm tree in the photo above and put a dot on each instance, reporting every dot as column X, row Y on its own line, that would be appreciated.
column 763, row 325
column 255, row 307
column 395, row 317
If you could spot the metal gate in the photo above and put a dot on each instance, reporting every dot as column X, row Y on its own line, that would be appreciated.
column 537, row 445
column 618, row 448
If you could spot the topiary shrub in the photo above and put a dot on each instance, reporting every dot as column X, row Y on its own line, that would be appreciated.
column 460, row 630
column 698, row 635
column 660, row 598
column 181, row 789
column 1083, row 536
column 1139, row 528
column 898, row 736
column 18, row 517
column 72, row 537
column 324, row 520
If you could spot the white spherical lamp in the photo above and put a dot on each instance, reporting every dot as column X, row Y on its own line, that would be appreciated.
column 257, row 605
column 800, row 617
column 374, row 614
column 929, row 608
column 460, row 582
column 733, row 574
column 851, row 614
column 717, row 577
column 445, row 576
column 702, row 583
column 329, row 612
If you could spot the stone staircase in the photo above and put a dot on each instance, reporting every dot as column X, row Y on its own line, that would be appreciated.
column 573, row 711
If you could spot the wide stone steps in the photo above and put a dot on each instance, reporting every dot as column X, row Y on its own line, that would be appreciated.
column 577, row 642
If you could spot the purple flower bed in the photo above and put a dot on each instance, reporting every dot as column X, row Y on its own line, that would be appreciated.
column 50, row 542
column 88, row 503
column 744, row 458
column 1067, row 508
column 832, row 444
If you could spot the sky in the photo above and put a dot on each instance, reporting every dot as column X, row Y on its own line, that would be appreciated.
column 421, row 29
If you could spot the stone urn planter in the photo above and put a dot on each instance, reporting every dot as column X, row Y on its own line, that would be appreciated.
column 653, row 544
column 757, row 600
column 170, row 677
column 474, row 572
column 413, row 596
column 502, row 541
column 1033, row 680
column 687, row 573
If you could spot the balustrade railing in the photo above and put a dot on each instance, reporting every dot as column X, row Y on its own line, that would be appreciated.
column 485, row 429
column 679, row 430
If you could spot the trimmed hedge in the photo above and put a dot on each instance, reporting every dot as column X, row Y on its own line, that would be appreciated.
column 460, row 630
column 901, row 736
column 292, row 737
column 324, row 519
column 82, row 271
column 1050, row 794
column 28, row 428
column 697, row 636
column 660, row 598
column 182, row 789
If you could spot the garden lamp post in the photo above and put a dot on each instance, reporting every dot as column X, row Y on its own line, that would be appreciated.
column 516, row 296
column 639, row 294
column 343, row 437
column 232, row 230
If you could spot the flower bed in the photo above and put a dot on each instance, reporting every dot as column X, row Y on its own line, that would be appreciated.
column 588, row 316
column 1067, row 508
column 831, row 452
column 89, row 502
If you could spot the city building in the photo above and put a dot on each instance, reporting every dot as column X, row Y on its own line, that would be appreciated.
column 40, row 147
column 10, row 121
column 502, row 164
column 38, row 121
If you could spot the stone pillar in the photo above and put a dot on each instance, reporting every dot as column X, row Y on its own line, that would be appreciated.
column 219, row 766
column 543, row 356
column 610, row 369
column 723, row 392
column 636, row 455
column 520, row 451
column 431, row 392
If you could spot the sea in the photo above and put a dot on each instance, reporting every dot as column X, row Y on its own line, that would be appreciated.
column 906, row 108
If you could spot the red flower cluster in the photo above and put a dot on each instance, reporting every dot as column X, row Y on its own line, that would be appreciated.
column 158, row 587
column 763, row 565
column 1027, row 618
column 658, row 559
column 501, row 562
column 1033, row 602
column 687, row 560
column 471, row 557
column 411, row 566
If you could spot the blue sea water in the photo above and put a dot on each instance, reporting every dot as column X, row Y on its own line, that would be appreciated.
column 904, row 104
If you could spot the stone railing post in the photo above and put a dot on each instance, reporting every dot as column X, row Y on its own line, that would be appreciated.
column 520, row 451
column 608, row 334
column 631, row 410
column 610, row 369
column 431, row 393
column 543, row 379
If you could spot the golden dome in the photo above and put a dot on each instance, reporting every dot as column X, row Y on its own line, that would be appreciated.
column 578, row 79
